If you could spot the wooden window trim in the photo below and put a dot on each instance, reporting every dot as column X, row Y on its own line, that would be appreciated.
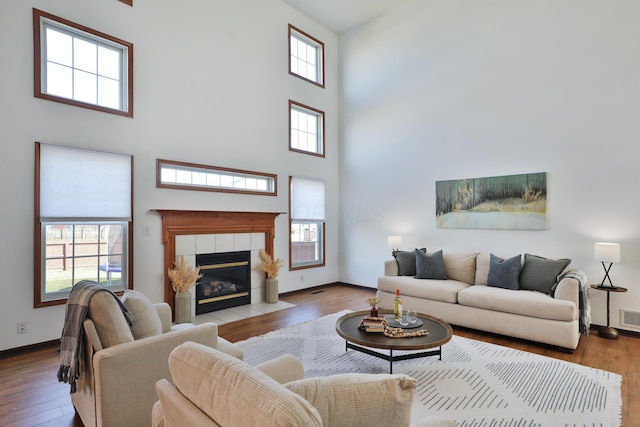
column 159, row 184
column 37, row 65
column 323, row 140
column 324, row 250
column 315, row 40
column 324, row 239
column 37, row 241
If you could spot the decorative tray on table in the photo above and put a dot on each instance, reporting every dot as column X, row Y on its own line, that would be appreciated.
column 395, row 324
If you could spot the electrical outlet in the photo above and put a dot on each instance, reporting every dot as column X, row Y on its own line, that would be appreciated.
column 301, row 278
column 22, row 327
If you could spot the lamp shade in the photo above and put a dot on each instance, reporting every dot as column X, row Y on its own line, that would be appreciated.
column 395, row 242
column 607, row 252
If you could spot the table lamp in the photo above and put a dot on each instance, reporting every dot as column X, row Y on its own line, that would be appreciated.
column 394, row 242
column 607, row 253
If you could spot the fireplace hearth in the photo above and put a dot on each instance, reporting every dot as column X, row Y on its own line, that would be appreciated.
column 225, row 282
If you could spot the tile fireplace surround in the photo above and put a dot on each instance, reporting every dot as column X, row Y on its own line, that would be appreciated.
column 190, row 233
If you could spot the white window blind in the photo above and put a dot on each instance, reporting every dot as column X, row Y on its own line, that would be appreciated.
column 80, row 183
column 307, row 199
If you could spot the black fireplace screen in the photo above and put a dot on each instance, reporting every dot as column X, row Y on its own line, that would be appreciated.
column 225, row 282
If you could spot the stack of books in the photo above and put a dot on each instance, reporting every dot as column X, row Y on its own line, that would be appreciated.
column 373, row 325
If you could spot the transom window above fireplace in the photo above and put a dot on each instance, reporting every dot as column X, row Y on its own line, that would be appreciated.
column 192, row 176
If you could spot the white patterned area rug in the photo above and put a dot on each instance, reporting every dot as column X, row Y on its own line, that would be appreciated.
column 475, row 383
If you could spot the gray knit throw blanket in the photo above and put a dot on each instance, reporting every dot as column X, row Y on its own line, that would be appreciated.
column 72, row 341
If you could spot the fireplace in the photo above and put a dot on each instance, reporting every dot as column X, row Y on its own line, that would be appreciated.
column 225, row 282
column 181, row 223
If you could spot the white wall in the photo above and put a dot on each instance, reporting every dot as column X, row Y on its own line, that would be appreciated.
column 211, row 86
column 449, row 89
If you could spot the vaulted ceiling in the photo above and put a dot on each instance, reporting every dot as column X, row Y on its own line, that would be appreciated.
column 342, row 15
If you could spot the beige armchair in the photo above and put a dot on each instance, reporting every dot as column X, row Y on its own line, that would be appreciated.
column 120, row 367
column 213, row 389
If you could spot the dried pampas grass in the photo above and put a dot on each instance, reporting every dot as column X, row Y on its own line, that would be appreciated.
column 372, row 301
column 183, row 277
column 269, row 265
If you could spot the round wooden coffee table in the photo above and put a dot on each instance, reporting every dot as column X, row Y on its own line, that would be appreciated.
column 439, row 333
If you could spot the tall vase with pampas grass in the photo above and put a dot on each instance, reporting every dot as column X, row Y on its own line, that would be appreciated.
column 271, row 267
column 183, row 277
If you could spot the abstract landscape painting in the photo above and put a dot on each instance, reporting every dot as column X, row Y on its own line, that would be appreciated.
column 500, row 202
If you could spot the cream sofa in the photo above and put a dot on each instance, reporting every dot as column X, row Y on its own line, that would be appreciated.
column 213, row 389
column 120, row 367
column 472, row 297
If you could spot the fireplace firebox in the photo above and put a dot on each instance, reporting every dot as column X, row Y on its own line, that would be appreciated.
column 225, row 282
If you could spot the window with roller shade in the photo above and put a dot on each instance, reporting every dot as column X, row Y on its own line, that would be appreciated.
column 83, row 220
column 307, row 223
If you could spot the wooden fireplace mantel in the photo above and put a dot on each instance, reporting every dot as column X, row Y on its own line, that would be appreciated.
column 187, row 222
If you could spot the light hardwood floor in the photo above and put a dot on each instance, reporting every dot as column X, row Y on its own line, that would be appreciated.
column 31, row 396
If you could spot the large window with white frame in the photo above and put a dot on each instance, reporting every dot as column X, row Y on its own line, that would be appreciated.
column 83, row 220
column 306, row 129
column 80, row 66
column 307, row 223
column 306, row 56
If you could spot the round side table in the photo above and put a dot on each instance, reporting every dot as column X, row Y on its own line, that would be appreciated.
column 607, row 331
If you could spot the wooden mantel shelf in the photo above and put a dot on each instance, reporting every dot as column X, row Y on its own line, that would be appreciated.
column 188, row 222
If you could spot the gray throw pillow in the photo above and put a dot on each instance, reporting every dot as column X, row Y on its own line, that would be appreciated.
column 430, row 266
column 504, row 273
column 541, row 274
column 406, row 262
column 148, row 321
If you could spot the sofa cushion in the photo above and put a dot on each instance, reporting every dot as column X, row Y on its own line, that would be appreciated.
column 482, row 269
column 525, row 303
column 147, row 320
column 541, row 274
column 504, row 273
column 461, row 266
column 342, row 399
column 406, row 262
column 110, row 323
column 437, row 290
column 233, row 393
column 430, row 266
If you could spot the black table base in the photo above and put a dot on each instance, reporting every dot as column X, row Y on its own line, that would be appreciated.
column 390, row 357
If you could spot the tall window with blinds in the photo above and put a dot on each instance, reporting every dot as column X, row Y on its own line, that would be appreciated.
column 307, row 219
column 83, row 220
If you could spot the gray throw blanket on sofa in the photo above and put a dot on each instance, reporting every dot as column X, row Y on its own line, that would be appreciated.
column 71, row 342
column 583, row 299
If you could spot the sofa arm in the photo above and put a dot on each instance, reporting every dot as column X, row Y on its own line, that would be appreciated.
column 568, row 289
column 283, row 369
column 391, row 268
column 359, row 399
column 91, row 335
column 174, row 409
column 157, row 414
column 164, row 313
column 230, row 348
column 125, row 374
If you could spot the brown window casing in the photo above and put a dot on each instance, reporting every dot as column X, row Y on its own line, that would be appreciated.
column 37, row 65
